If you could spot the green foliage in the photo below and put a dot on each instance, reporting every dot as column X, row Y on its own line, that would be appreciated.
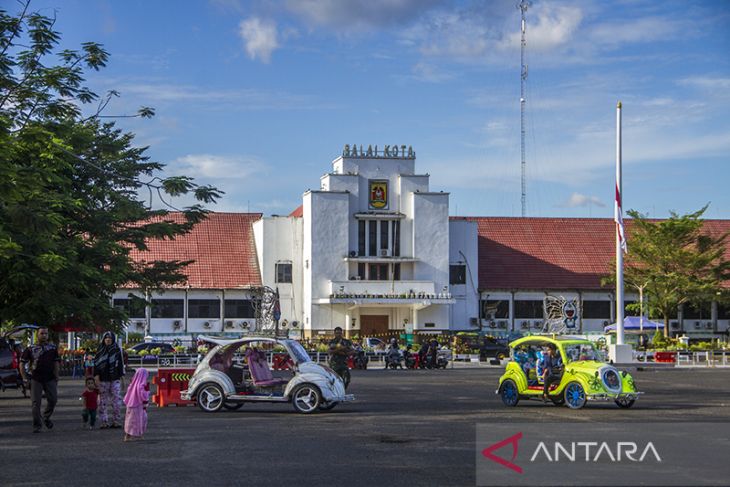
column 155, row 351
column 89, row 345
column 675, row 261
column 658, row 340
column 70, row 210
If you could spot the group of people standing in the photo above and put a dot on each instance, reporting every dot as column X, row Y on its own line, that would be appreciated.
column 103, row 386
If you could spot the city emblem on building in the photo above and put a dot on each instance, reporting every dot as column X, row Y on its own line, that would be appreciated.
column 378, row 199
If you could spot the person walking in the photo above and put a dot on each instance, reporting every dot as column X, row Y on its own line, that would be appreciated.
column 44, row 363
column 136, row 399
column 109, row 376
column 339, row 349
column 90, row 399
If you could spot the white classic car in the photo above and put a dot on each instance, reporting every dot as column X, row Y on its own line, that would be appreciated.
column 220, row 382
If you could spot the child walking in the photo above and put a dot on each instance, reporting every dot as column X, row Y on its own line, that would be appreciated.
column 136, row 398
column 90, row 398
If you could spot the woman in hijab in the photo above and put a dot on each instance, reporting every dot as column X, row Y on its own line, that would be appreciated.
column 135, row 422
column 109, row 375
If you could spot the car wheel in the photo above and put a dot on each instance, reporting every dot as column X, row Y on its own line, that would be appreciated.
column 210, row 397
column 232, row 406
column 625, row 402
column 306, row 398
column 509, row 394
column 575, row 395
column 328, row 406
column 165, row 361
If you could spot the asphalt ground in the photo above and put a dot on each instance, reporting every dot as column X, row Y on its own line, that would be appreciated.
column 414, row 428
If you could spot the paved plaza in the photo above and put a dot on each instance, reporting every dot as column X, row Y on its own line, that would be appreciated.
column 406, row 428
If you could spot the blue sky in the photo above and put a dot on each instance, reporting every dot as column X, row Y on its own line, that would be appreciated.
column 258, row 97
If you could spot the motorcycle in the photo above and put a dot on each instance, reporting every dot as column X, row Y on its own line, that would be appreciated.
column 358, row 360
column 394, row 359
column 412, row 360
column 438, row 360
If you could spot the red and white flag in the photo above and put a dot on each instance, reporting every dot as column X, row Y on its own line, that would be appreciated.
column 619, row 219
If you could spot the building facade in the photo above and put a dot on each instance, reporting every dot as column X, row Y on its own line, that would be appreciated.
column 373, row 250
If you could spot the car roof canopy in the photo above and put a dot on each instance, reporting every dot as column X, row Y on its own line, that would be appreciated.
column 553, row 339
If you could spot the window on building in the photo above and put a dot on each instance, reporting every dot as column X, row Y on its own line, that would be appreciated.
column 168, row 308
column 396, row 238
column 384, row 243
column 239, row 308
column 361, row 237
column 135, row 308
column 283, row 272
column 495, row 309
column 700, row 311
column 361, row 271
column 396, row 272
column 379, row 272
column 372, row 238
column 457, row 274
column 204, row 308
column 723, row 312
column 597, row 310
column 528, row 309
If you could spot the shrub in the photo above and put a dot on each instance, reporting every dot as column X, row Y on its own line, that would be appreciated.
column 659, row 341
column 180, row 349
column 155, row 351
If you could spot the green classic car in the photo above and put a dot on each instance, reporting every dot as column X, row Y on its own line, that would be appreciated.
column 584, row 377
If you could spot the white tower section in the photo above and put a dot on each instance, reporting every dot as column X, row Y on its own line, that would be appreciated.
column 375, row 247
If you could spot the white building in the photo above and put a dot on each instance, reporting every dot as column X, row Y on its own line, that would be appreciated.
column 375, row 252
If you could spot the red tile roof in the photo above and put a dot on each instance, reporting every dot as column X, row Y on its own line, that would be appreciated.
column 222, row 247
column 298, row 212
column 551, row 253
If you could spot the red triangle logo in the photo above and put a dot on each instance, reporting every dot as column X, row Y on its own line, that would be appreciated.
column 488, row 452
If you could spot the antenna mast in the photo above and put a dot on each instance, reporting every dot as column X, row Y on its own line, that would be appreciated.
column 523, row 6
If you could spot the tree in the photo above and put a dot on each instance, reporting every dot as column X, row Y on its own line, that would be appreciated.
column 676, row 261
column 70, row 185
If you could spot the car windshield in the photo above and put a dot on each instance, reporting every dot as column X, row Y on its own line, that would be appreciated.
column 297, row 351
column 581, row 351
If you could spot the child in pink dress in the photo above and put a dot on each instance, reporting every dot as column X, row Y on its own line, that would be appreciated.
column 136, row 398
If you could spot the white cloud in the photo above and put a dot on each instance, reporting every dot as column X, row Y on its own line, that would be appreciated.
column 704, row 82
column 260, row 38
column 554, row 27
column 246, row 99
column 641, row 30
column 218, row 167
column 577, row 200
column 489, row 32
column 359, row 15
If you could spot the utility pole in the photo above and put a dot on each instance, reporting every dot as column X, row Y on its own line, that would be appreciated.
column 523, row 6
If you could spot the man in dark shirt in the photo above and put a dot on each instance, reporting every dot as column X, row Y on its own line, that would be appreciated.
column 43, row 362
column 339, row 349
column 550, row 369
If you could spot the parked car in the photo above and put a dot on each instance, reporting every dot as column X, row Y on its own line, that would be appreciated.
column 144, row 348
column 10, row 352
column 492, row 348
column 219, row 382
column 375, row 344
column 584, row 376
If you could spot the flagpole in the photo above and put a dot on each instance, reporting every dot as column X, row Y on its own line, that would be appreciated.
column 620, row 236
